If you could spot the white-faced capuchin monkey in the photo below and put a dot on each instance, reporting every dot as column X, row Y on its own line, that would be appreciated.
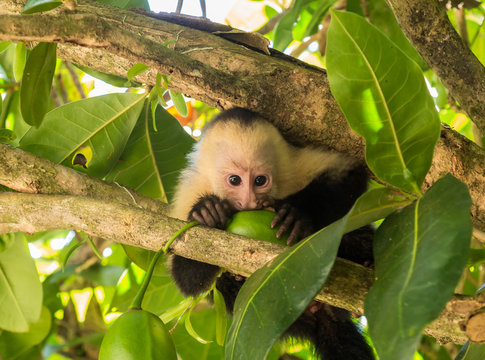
column 241, row 163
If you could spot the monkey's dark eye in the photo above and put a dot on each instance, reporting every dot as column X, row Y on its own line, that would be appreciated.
column 234, row 180
column 260, row 180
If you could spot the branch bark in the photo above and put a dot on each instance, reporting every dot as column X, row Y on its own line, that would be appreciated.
column 224, row 74
column 426, row 25
column 64, row 198
column 27, row 173
column 346, row 287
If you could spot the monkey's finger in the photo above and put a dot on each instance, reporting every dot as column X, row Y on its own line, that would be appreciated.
column 222, row 215
column 212, row 213
column 286, row 224
column 295, row 233
column 207, row 217
column 280, row 214
column 197, row 217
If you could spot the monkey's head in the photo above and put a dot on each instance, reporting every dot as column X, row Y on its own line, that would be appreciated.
column 242, row 160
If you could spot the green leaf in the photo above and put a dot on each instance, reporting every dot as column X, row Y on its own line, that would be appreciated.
column 103, row 275
column 179, row 103
column 318, row 16
column 161, row 294
column 20, row 287
column 189, row 348
column 296, row 276
column 221, row 317
column 381, row 16
column 419, row 253
column 35, row 90
column 111, row 79
column 103, row 123
column 374, row 205
column 475, row 256
column 34, row 6
column 4, row 45
column 355, row 6
column 6, row 134
column 471, row 352
column 190, row 328
column 20, row 59
column 176, row 311
column 69, row 250
column 14, row 344
column 135, row 70
column 153, row 160
column 143, row 257
column 283, row 32
column 384, row 98
column 14, row 116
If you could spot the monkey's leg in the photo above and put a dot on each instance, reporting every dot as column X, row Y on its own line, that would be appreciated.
column 191, row 276
column 194, row 277
column 332, row 332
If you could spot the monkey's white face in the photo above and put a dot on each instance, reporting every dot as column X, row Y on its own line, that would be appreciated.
column 247, row 189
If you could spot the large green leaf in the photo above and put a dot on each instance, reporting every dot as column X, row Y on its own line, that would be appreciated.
column 111, row 79
column 20, row 59
column 420, row 253
column 101, row 124
column 14, row 344
column 35, row 90
column 20, row 287
column 471, row 352
column 384, row 98
column 283, row 32
column 275, row 295
column 204, row 322
column 14, row 116
column 161, row 294
column 374, row 205
column 152, row 160
column 381, row 15
column 317, row 17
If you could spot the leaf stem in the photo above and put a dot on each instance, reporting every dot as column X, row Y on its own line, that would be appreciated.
column 136, row 304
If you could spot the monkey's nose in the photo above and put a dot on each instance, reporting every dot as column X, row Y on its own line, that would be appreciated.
column 249, row 204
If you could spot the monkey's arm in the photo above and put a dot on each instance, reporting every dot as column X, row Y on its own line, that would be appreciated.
column 194, row 277
column 326, row 199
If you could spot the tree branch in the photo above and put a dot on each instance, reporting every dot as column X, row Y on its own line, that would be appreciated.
column 346, row 287
column 224, row 74
column 25, row 172
column 427, row 26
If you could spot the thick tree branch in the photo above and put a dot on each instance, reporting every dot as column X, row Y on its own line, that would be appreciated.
column 27, row 173
column 223, row 74
column 427, row 26
column 347, row 286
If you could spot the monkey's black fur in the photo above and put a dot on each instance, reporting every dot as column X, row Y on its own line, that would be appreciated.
column 327, row 198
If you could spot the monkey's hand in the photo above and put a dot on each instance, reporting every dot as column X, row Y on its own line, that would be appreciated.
column 292, row 219
column 211, row 211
